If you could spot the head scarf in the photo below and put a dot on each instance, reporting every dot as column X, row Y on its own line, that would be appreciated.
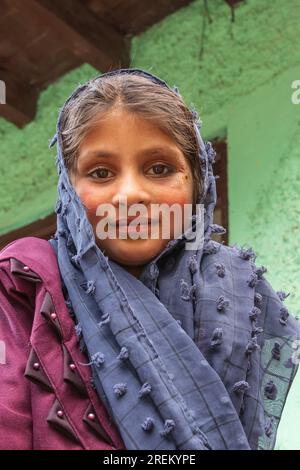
column 196, row 354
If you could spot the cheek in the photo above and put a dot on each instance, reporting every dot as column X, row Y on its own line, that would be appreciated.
column 187, row 185
column 91, row 200
column 180, row 191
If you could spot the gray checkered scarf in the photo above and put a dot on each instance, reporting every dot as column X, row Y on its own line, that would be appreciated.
column 196, row 353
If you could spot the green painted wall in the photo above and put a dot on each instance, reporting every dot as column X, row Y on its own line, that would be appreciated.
column 238, row 75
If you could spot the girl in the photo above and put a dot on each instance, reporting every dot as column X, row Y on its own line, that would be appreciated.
column 138, row 343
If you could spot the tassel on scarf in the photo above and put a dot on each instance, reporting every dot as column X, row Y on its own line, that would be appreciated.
column 78, row 330
column 76, row 259
column 254, row 312
column 241, row 387
column 62, row 232
column 270, row 390
column 257, row 330
column 120, row 389
column 268, row 427
column 124, row 354
column 153, row 271
column 252, row 280
column 252, row 346
column 220, row 268
column 211, row 153
column 89, row 287
column 247, row 253
column 187, row 293
column 219, row 229
column 58, row 207
column 276, row 351
column 222, row 303
column 217, row 337
column 282, row 295
column 105, row 319
column 148, row 424
column 260, row 271
column 211, row 247
column 98, row 359
column 258, row 299
column 284, row 314
column 169, row 426
column 192, row 264
column 145, row 390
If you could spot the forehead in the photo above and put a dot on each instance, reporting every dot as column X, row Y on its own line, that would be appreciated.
column 119, row 121
column 119, row 130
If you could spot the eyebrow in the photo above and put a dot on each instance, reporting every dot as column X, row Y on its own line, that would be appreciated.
column 149, row 151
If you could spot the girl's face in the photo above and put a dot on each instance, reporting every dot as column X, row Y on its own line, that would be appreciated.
column 127, row 156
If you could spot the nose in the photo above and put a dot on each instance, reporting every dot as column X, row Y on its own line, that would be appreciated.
column 132, row 189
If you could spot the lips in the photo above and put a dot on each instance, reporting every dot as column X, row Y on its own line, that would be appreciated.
column 140, row 221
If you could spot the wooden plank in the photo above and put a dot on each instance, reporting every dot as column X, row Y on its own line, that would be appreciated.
column 43, row 228
column 85, row 34
column 21, row 99
column 132, row 17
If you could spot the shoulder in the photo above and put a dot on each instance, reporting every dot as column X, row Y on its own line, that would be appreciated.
column 32, row 245
column 230, row 256
column 233, row 267
column 34, row 253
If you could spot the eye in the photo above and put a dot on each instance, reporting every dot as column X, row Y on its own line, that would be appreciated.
column 159, row 169
column 100, row 172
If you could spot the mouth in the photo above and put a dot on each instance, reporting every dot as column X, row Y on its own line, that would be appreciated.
column 139, row 222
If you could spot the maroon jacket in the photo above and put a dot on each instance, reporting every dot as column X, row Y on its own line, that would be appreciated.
column 47, row 400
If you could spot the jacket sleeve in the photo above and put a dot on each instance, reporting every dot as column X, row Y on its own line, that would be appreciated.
column 16, row 313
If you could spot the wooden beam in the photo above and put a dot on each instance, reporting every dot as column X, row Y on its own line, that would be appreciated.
column 21, row 99
column 82, row 32
column 42, row 228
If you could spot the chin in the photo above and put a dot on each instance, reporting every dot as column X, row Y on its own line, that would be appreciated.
column 134, row 252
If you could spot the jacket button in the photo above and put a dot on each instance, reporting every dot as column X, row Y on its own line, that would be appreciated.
column 72, row 367
column 26, row 268
column 91, row 416
column 36, row 366
column 60, row 413
column 53, row 316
